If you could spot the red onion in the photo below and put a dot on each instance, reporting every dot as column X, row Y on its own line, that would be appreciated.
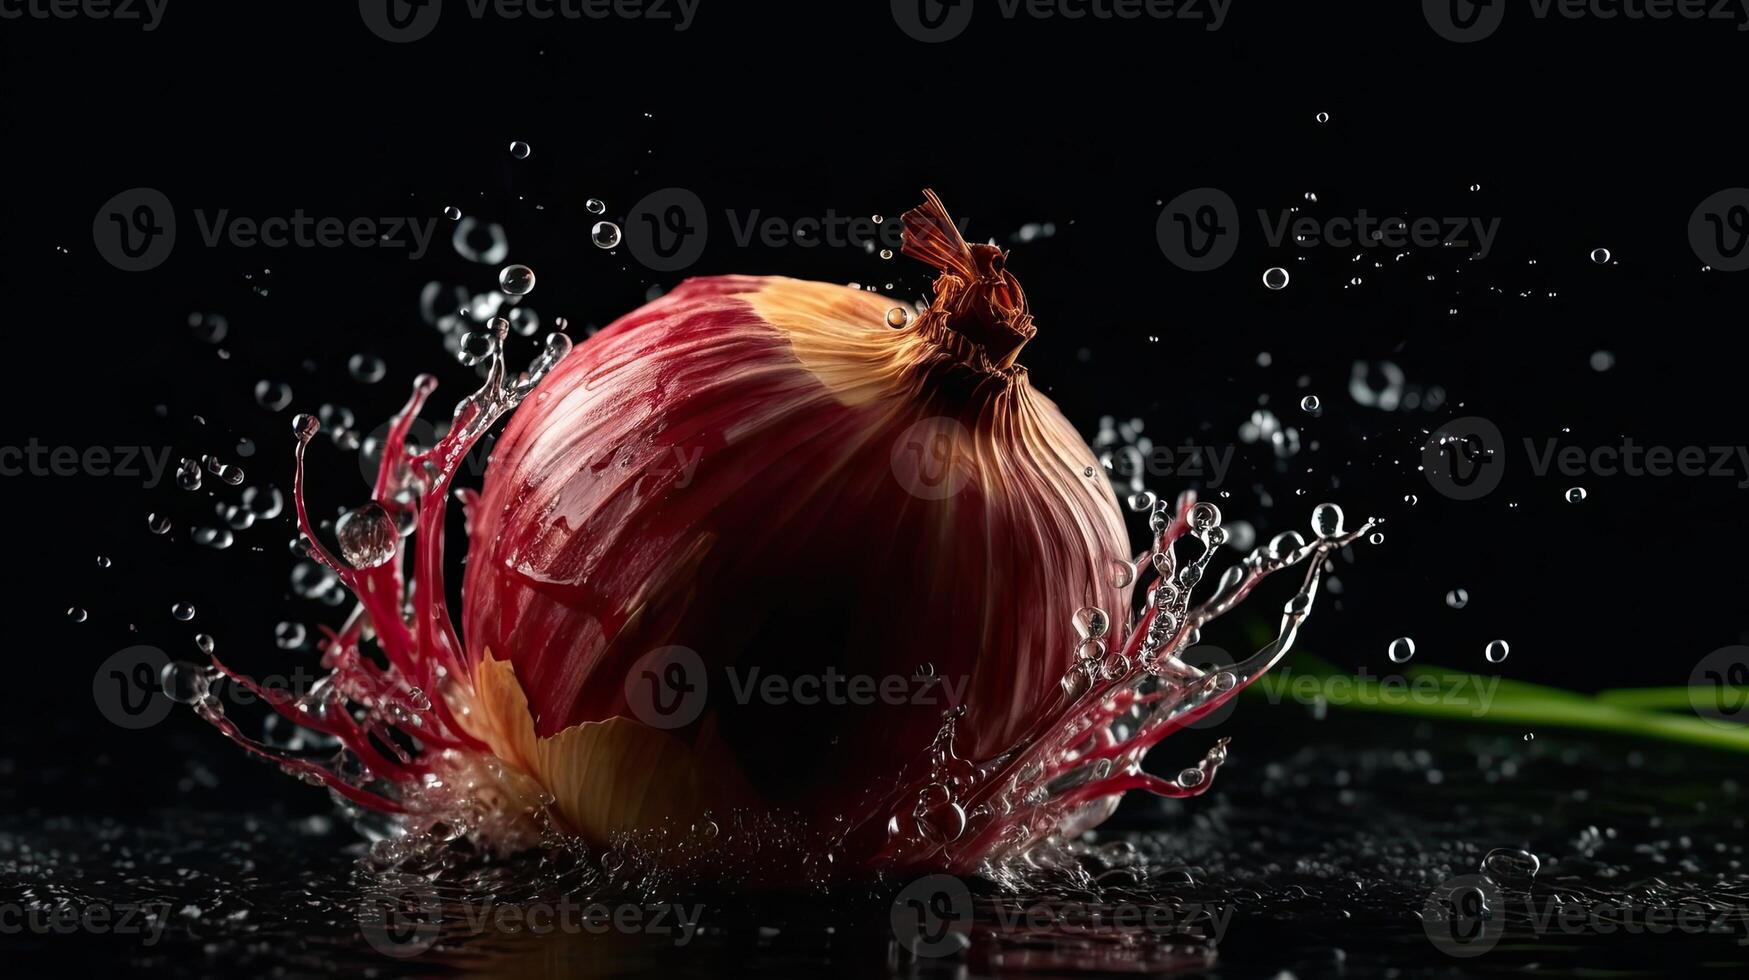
column 727, row 499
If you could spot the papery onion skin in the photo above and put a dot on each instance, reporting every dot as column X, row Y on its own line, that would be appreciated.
column 763, row 471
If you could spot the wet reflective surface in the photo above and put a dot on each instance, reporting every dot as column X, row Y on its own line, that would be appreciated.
column 1315, row 854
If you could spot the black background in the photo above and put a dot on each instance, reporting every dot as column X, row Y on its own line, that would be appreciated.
column 1581, row 134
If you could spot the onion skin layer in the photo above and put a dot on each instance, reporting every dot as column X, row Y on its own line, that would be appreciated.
column 765, row 472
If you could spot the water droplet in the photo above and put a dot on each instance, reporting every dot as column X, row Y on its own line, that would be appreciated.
column 183, row 611
column 1309, row 403
column 886, row 253
column 519, row 149
column 1190, row 778
column 898, row 318
column 1204, row 516
column 475, row 348
column 367, row 536
column 1496, row 651
column 1142, row 501
column 366, row 368
column 1122, row 573
column 1276, row 278
column 1576, row 495
column 1091, row 622
column 77, row 615
column 1457, row 598
column 605, row 234
column 1327, row 520
column 1602, row 361
column 183, row 682
column 1600, row 256
column 453, row 213
column 305, row 425
column 1377, row 537
column 209, row 327
column 217, row 538
column 157, row 524
column 1323, row 117
column 1411, row 499
column 289, row 636
column 272, row 395
column 516, row 280
column 595, row 205
column 1285, row 543
column 1401, row 649
column 188, row 475
column 102, row 562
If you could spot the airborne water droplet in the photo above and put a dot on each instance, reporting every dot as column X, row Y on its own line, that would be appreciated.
column 1496, row 651
column 1276, row 278
column 898, row 318
column 516, row 280
column 1309, row 403
column 1600, row 256
column 1327, row 520
column 595, row 205
column 77, row 615
column 605, row 234
column 519, row 149
column 1457, row 598
column 183, row 611
column 367, row 536
column 1401, row 649
column 366, row 368
column 1575, row 495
